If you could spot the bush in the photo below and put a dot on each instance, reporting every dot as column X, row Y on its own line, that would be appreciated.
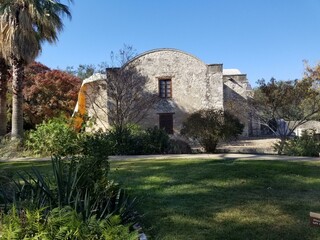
column 56, row 137
column 306, row 145
column 52, row 137
column 10, row 147
column 81, row 183
column 155, row 141
column 125, row 140
column 210, row 126
column 132, row 140
column 178, row 146
column 95, row 144
column 79, row 193
column 60, row 223
column 79, row 202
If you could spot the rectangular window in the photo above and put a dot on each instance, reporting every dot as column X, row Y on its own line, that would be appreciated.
column 165, row 88
column 166, row 122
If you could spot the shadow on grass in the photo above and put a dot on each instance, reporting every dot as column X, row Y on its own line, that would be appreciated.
column 224, row 199
column 13, row 167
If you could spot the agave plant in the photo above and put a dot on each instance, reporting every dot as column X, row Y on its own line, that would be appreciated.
column 76, row 182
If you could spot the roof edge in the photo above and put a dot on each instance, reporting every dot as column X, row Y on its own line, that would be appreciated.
column 160, row 50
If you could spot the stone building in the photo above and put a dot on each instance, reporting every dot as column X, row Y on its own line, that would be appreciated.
column 181, row 83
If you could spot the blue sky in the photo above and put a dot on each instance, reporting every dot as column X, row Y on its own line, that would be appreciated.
column 262, row 38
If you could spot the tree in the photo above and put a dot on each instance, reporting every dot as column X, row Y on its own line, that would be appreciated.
column 283, row 106
column 121, row 96
column 48, row 94
column 83, row 71
column 3, row 96
column 312, row 72
column 25, row 25
column 209, row 126
column 128, row 102
column 124, row 55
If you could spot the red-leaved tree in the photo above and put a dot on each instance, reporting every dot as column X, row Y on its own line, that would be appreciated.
column 48, row 93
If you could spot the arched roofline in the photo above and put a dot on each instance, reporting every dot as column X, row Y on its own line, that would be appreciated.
column 161, row 50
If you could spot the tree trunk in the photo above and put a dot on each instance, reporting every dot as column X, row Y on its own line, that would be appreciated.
column 281, row 144
column 3, row 97
column 17, row 99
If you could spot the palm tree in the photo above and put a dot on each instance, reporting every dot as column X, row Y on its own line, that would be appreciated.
column 3, row 96
column 25, row 25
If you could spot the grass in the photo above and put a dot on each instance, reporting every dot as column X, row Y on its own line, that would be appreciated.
column 219, row 199
column 214, row 199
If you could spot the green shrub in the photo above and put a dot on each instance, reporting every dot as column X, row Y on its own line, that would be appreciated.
column 80, row 182
column 178, row 146
column 56, row 137
column 95, row 144
column 79, row 202
column 52, row 137
column 125, row 140
column 306, row 145
column 132, row 140
column 10, row 147
column 155, row 141
column 209, row 126
column 60, row 224
column 22, row 224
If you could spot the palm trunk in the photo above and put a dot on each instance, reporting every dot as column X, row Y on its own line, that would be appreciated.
column 17, row 99
column 3, row 97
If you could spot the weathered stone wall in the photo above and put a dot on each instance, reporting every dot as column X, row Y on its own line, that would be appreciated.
column 194, row 84
column 235, row 94
column 96, row 103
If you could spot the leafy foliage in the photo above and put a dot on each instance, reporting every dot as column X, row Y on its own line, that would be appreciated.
column 306, row 145
column 48, row 93
column 155, row 141
column 79, row 194
column 10, row 148
column 210, row 126
column 60, row 224
column 95, row 144
column 52, row 137
column 57, row 137
column 131, row 140
column 295, row 102
column 178, row 146
column 81, row 183
column 83, row 71
column 25, row 26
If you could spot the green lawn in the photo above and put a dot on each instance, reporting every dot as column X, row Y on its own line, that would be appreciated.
column 214, row 199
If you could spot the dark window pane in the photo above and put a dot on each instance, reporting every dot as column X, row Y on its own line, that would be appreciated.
column 165, row 88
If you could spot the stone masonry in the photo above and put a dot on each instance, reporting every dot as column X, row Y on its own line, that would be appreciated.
column 194, row 85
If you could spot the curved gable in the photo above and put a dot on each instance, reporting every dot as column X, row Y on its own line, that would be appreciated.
column 164, row 51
